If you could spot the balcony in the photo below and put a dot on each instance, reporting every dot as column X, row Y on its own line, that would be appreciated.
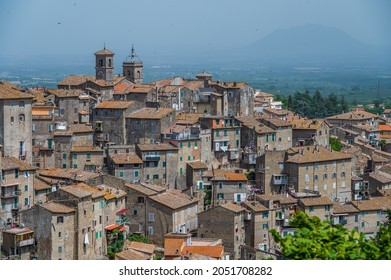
column 280, row 179
column 152, row 158
column 280, row 215
column 10, row 194
column 26, row 242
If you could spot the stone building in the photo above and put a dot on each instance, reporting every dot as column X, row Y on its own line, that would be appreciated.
column 68, row 103
column 42, row 136
column 238, row 98
column 133, row 68
column 145, row 125
column 194, row 172
column 127, row 166
column 225, row 186
column 226, row 222
column 43, row 186
column 372, row 214
column 283, row 131
column 321, row 207
column 318, row 169
column 259, row 220
column 225, row 138
column 54, row 226
column 160, row 162
column 19, row 242
column 310, row 132
column 88, row 158
column 109, row 121
column 187, row 140
column 17, row 188
column 270, row 173
column 170, row 211
column 354, row 117
column 131, row 92
column 345, row 215
column 15, row 121
column 136, row 203
column 68, row 136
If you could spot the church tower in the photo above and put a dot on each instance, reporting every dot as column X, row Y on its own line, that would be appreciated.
column 133, row 68
column 104, row 65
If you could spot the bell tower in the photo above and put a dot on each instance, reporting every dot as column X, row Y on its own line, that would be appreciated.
column 133, row 68
column 104, row 65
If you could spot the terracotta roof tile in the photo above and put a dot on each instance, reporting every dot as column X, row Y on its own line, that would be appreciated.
column 316, row 201
column 8, row 163
column 210, row 251
column 236, row 208
column 174, row 199
column 131, row 254
column 255, row 206
column 381, row 176
column 75, row 80
column 129, row 158
column 225, row 175
column 40, row 185
column 81, row 149
column 306, row 124
column 63, row 93
column 82, row 190
column 104, row 51
column 114, row 104
column 307, row 154
column 11, row 91
column 198, row 165
column 344, row 209
column 72, row 174
column 372, row 204
column 139, row 246
column 156, row 147
column 57, row 208
column 353, row 115
column 150, row 113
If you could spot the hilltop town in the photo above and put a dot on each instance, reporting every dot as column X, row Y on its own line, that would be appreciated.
column 110, row 167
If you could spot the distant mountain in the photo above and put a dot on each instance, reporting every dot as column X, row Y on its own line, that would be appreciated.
column 311, row 44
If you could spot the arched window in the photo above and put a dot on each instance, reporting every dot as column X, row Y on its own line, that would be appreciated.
column 21, row 104
column 129, row 73
column 109, row 62
column 21, row 117
column 138, row 75
column 100, row 62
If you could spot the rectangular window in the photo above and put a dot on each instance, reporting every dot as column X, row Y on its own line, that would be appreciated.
column 220, row 196
column 100, row 234
column 273, row 137
column 265, row 215
column 327, row 208
column 220, row 185
column 75, row 166
column 180, row 145
column 180, row 171
column 151, row 217
column 325, row 176
column 180, row 158
column 362, row 213
column 267, row 137
column 150, row 230
column 343, row 174
column 16, row 173
column 378, row 223
column 188, row 157
column 74, row 156
column 121, row 174
column 265, row 226
column 217, row 133
column 155, row 176
column 64, row 156
column 312, row 209
column 26, row 188
column 237, row 131
column 60, row 219
column 64, row 166
column 356, row 218
column 195, row 143
column 59, row 249
column 136, row 173
column 363, row 224
column 189, row 144
column 96, row 235
column 88, row 156
column 164, row 164
column 225, row 132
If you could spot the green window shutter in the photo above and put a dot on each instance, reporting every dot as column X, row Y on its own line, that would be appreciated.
column 267, row 137
column 189, row 144
column 164, row 164
column 180, row 171
column 64, row 156
column 96, row 235
column 121, row 174
column 217, row 133
column 180, row 145
column 195, row 143
column 136, row 173
column 74, row 156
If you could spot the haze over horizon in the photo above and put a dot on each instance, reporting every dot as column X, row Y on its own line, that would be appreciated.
column 173, row 28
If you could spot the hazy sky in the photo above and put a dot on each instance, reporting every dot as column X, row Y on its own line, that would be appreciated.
column 82, row 26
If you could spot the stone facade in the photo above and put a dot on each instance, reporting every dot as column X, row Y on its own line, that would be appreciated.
column 86, row 158
column 226, row 222
column 145, row 125
column 127, row 166
column 160, row 163
column 15, row 122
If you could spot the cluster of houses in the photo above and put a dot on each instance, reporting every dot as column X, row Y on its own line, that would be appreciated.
column 203, row 169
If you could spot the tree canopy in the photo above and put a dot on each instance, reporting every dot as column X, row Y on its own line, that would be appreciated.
column 316, row 239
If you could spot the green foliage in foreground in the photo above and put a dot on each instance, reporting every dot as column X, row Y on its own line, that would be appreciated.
column 335, row 144
column 317, row 240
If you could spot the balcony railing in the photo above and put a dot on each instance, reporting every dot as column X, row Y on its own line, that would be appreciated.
column 152, row 158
